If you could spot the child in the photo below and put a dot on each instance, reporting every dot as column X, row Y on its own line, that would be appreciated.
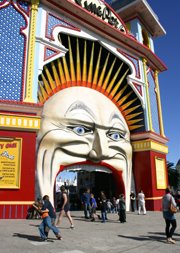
column 93, row 207
column 46, row 222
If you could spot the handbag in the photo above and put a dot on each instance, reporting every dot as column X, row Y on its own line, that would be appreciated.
column 172, row 208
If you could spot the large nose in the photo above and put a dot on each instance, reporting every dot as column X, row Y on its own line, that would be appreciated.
column 99, row 149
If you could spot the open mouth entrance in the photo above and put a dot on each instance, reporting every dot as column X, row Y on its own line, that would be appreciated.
column 77, row 178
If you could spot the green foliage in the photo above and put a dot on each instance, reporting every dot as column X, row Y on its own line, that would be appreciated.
column 173, row 176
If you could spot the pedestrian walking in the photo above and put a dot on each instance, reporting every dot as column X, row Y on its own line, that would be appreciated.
column 169, row 216
column 93, row 207
column 122, row 208
column 103, row 206
column 52, row 214
column 109, row 206
column 46, row 222
column 114, row 207
column 178, row 199
column 141, row 202
column 64, row 207
column 132, row 199
column 86, row 203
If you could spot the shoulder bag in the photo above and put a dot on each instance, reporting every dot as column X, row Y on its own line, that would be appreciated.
column 172, row 208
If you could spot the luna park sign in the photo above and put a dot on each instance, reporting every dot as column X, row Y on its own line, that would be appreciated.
column 102, row 12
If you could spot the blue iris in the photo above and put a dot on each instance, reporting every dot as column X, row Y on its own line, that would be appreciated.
column 115, row 136
column 80, row 130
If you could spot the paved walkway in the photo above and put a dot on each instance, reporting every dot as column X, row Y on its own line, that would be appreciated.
column 141, row 233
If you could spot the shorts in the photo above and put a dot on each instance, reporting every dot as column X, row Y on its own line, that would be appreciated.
column 93, row 210
column 66, row 208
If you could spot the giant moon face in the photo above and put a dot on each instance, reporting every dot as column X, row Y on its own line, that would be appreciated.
column 81, row 124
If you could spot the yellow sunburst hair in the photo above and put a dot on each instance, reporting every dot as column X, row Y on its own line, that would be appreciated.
column 89, row 64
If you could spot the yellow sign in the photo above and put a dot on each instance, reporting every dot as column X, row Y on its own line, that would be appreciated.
column 161, row 181
column 10, row 162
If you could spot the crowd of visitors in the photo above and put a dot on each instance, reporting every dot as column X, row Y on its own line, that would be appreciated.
column 43, row 209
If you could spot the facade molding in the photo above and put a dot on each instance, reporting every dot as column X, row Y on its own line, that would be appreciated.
column 149, row 135
column 10, row 121
column 153, row 198
column 149, row 145
column 16, row 202
column 159, row 103
column 18, row 107
column 31, row 53
column 147, row 96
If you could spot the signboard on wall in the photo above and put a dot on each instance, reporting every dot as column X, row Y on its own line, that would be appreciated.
column 102, row 11
column 10, row 162
column 161, row 181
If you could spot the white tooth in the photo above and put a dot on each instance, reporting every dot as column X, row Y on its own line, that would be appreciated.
column 45, row 171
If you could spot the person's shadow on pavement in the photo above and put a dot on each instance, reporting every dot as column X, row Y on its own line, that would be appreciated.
column 30, row 237
column 145, row 238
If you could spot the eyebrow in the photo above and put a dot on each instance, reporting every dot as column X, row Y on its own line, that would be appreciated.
column 116, row 116
column 80, row 105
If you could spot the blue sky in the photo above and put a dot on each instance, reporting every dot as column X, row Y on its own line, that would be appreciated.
column 167, row 49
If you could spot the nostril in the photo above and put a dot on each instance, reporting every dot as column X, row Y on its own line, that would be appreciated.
column 93, row 154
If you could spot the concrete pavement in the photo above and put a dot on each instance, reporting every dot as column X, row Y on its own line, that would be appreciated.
column 141, row 233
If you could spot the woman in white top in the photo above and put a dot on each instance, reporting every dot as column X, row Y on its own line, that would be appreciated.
column 141, row 202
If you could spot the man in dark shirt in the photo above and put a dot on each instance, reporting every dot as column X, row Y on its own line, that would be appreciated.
column 86, row 203
column 47, row 205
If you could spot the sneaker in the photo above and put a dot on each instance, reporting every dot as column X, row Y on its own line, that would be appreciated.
column 72, row 226
column 170, row 240
column 59, row 237
column 43, row 239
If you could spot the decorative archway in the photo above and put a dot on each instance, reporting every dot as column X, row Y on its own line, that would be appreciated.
column 90, row 70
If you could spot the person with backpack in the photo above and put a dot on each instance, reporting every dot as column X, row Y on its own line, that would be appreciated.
column 169, row 216
column 46, row 222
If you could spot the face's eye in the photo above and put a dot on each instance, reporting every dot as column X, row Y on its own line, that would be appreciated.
column 116, row 136
column 80, row 130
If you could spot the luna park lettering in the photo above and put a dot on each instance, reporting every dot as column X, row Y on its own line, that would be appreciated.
column 103, row 12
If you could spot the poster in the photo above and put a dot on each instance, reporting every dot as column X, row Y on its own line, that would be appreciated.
column 10, row 162
column 161, row 181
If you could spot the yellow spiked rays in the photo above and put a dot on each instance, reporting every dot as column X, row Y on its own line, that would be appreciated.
column 89, row 64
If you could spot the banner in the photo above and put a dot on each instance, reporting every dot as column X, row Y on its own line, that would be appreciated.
column 10, row 162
